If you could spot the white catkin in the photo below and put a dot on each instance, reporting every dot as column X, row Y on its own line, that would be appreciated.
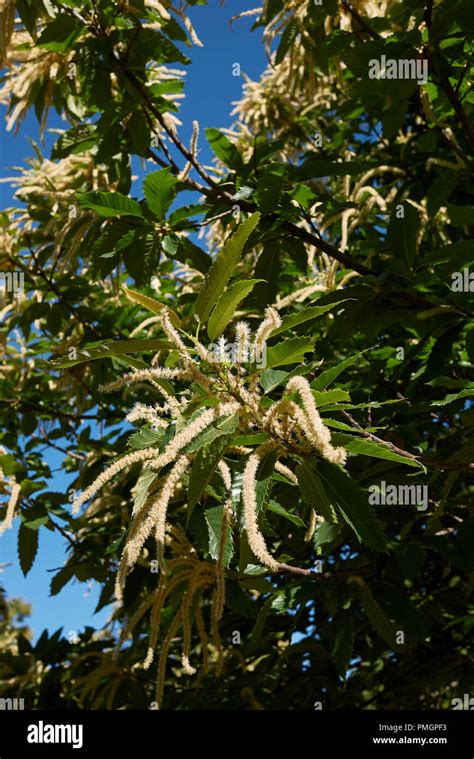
column 320, row 434
column 12, row 502
column 145, row 374
column 255, row 538
column 185, row 436
column 242, row 339
column 107, row 474
column 156, row 517
column 271, row 322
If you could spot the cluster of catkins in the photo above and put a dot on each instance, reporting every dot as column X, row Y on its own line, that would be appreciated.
column 293, row 429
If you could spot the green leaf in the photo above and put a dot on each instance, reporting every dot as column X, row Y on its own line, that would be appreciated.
column 313, row 492
column 109, row 204
column 305, row 315
column 204, row 466
column 76, row 140
column 60, row 579
column 223, row 267
column 384, row 626
column 27, row 547
column 271, row 378
column 326, row 532
column 399, row 607
column 225, row 426
column 365, row 447
column 287, row 39
column 353, row 505
column 329, row 375
column 60, row 34
column 224, row 149
column 277, row 508
column 325, row 397
column 159, row 189
column 152, row 305
column 317, row 167
column 226, row 306
column 107, row 350
column 469, row 393
column 144, row 439
column 460, row 215
column 402, row 234
column 341, row 655
column 214, row 525
column 141, row 489
column 289, row 351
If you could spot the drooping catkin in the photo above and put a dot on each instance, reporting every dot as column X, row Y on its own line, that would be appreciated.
column 227, row 514
column 12, row 502
column 111, row 471
column 271, row 322
column 140, row 375
column 156, row 517
column 249, row 498
column 242, row 339
column 321, row 434
column 165, row 587
column 132, row 623
column 189, row 433
column 311, row 525
column 160, row 682
column 150, row 414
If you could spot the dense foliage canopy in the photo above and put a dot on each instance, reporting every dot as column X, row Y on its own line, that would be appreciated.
column 289, row 330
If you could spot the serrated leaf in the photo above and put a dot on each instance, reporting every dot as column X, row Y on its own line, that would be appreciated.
column 291, row 351
column 225, row 426
column 152, row 305
column 214, row 525
column 204, row 466
column 60, row 34
column 159, row 189
column 325, row 397
column 329, row 375
column 27, row 547
column 287, row 38
column 107, row 350
column 352, row 504
column 451, row 397
column 305, row 315
column 341, row 654
column 109, row 204
column 142, row 488
column 326, row 532
column 363, row 447
column 223, row 267
column 313, row 491
column 402, row 234
column 384, row 626
column 277, row 508
column 226, row 306
column 224, row 149
column 60, row 579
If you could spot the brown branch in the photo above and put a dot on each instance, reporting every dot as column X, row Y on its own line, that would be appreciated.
column 454, row 101
column 429, row 463
column 364, row 26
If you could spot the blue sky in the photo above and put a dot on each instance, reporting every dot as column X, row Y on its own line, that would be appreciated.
column 210, row 89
